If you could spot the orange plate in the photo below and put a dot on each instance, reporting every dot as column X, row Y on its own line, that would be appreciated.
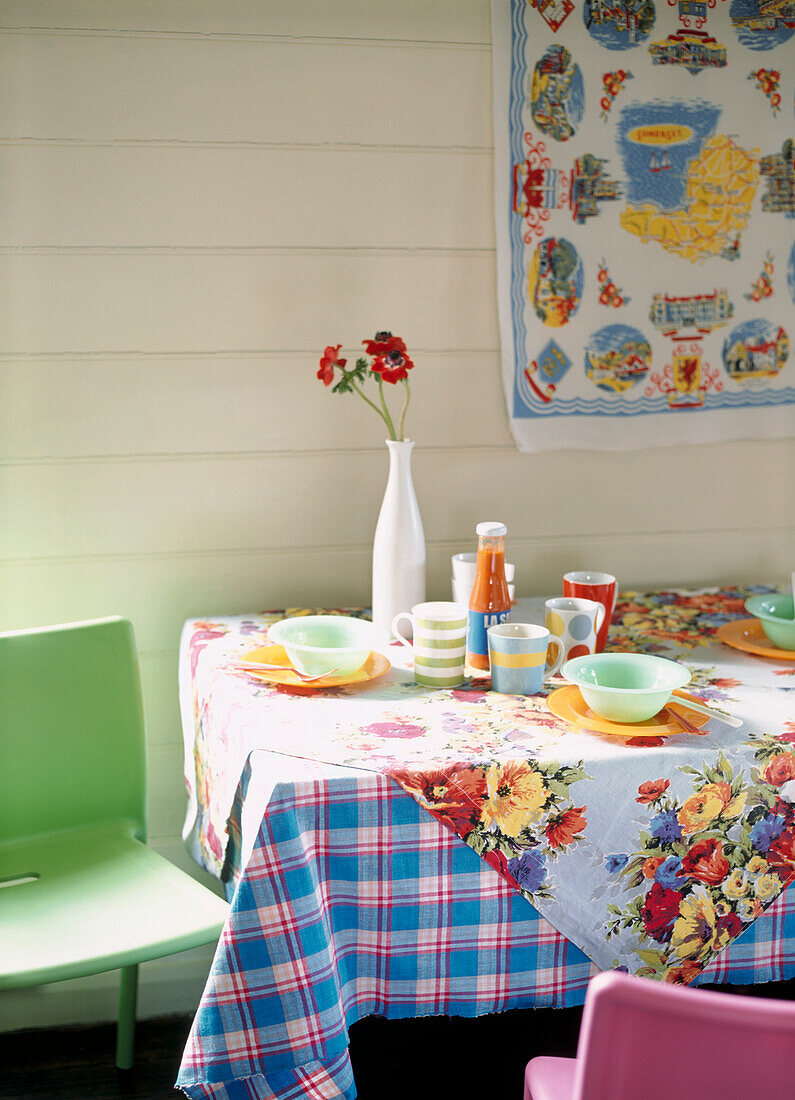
column 375, row 665
column 567, row 703
column 749, row 635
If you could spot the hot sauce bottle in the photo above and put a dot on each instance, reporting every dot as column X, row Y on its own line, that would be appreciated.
column 489, row 602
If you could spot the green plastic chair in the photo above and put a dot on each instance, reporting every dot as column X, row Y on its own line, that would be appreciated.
column 80, row 892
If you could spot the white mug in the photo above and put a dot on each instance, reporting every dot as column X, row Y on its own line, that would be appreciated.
column 465, row 566
column 576, row 621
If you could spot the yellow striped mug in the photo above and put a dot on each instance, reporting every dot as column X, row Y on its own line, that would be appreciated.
column 518, row 657
column 440, row 634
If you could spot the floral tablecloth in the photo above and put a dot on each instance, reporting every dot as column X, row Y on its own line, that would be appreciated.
column 652, row 854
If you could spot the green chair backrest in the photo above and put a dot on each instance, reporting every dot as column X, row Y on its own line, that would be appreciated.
column 72, row 743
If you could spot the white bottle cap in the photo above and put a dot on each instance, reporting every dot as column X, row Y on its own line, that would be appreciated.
column 491, row 530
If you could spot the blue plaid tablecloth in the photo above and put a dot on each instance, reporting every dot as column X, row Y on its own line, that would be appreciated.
column 355, row 901
column 348, row 899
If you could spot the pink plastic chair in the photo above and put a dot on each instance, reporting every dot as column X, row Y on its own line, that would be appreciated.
column 644, row 1039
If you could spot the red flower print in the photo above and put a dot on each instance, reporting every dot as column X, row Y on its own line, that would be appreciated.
column 465, row 696
column 705, row 862
column 562, row 830
column 394, row 729
column 781, row 854
column 648, row 792
column 454, row 797
column 684, row 974
column 731, row 924
column 329, row 361
column 780, row 768
column 659, row 911
column 649, row 868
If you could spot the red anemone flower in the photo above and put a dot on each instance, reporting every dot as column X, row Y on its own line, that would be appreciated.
column 394, row 366
column 382, row 343
column 329, row 361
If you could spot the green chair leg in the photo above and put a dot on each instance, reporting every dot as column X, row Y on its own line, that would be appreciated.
column 125, row 1033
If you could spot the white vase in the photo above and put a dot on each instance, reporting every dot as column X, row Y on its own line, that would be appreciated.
column 399, row 544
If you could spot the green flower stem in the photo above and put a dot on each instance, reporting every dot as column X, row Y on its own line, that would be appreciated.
column 402, row 420
column 387, row 417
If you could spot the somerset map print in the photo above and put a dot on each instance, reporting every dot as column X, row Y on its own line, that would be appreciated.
column 645, row 211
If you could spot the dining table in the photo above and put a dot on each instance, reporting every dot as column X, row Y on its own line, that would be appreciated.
column 398, row 850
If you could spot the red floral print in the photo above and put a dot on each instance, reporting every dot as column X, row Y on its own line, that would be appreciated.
column 561, row 830
column 705, row 862
column 781, row 853
column 648, row 792
column 780, row 768
column 649, row 868
column 659, row 911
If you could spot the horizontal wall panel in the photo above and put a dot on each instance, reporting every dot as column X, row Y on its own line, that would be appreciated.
column 285, row 501
column 159, row 672
column 159, row 593
column 213, row 301
column 242, row 198
column 217, row 403
column 166, row 790
column 418, row 20
column 98, row 88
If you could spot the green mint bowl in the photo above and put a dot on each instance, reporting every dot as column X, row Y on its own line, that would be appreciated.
column 775, row 613
column 318, row 645
column 625, row 687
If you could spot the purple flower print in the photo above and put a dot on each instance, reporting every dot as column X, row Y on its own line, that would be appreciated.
column 615, row 863
column 403, row 730
column 665, row 826
column 766, row 830
column 529, row 870
column 668, row 873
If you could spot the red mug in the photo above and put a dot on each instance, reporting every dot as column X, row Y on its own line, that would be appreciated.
column 601, row 587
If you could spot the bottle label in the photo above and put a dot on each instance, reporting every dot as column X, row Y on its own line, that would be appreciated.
column 478, row 623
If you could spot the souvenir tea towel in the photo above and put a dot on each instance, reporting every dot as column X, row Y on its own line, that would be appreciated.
column 645, row 206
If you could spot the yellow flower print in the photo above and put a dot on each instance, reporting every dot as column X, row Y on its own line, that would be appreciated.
column 515, row 796
column 735, row 806
column 756, row 865
column 749, row 909
column 736, row 886
column 722, row 908
column 713, row 800
column 700, row 809
column 767, row 886
column 694, row 933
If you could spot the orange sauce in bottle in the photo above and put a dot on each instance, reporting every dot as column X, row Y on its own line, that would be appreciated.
column 489, row 602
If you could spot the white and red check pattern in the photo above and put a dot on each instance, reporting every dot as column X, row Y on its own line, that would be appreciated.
column 355, row 901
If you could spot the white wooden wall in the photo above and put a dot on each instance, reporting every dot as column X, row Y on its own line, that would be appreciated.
column 196, row 196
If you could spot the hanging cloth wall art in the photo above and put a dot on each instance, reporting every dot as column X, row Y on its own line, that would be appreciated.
column 645, row 214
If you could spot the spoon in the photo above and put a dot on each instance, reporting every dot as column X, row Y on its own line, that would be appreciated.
column 727, row 718
column 246, row 666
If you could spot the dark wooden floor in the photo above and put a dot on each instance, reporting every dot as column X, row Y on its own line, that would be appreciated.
column 421, row 1059
column 392, row 1059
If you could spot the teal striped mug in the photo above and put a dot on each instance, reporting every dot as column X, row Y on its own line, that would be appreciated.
column 440, row 636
